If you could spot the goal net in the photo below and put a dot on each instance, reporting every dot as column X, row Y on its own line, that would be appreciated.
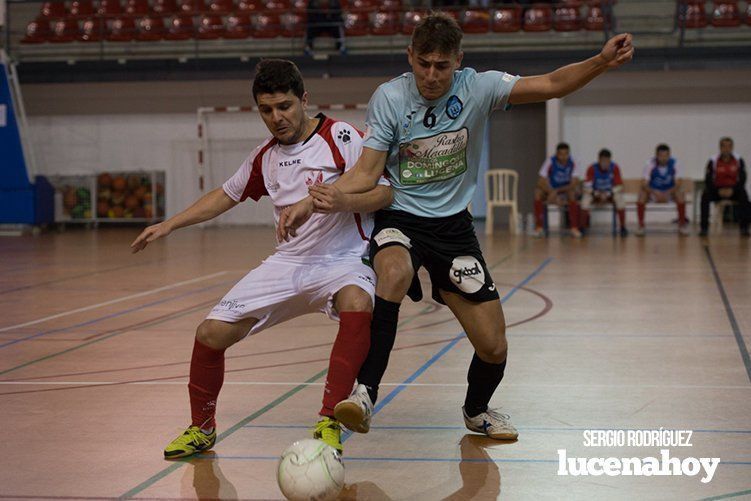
column 228, row 135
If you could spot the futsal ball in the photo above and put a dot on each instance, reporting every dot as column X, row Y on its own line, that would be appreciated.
column 312, row 470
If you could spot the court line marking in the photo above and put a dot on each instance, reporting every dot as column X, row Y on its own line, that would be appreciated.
column 439, row 385
column 112, row 315
column 728, row 495
column 388, row 398
column 113, row 301
column 158, row 476
column 526, row 428
column 731, row 316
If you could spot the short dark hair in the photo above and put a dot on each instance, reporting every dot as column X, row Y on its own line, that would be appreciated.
column 562, row 146
column 437, row 32
column 605, row 153
column 663, row 147
column 726, row 138
column 277, row 75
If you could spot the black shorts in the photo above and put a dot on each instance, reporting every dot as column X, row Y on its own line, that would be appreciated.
column 446, row 246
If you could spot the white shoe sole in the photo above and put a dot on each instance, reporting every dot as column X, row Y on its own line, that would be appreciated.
column 351, row 415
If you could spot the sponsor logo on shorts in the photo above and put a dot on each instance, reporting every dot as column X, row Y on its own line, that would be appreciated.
column 389, row 235
column 231, row 305
column 467, row 274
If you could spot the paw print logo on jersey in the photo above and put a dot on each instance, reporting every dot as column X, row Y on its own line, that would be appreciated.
column 345, row 136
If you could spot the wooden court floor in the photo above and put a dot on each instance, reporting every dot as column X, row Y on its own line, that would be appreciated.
column 604, row 334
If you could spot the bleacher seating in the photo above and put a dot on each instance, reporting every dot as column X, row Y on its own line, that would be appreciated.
column 475, row 21
column 180, row 27
column 37, row 31
column 386, row 23
column 81, row 8
column 238, row 26
column 93, row 29
column 356, row 23
column 726, row 14
column 566, row 18
column 151, row 28
column 507, row 19
column 539, row 17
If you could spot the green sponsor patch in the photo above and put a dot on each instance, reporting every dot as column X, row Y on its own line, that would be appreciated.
column 435, row 158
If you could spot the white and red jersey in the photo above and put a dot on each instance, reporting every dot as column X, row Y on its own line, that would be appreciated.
column 284, row 173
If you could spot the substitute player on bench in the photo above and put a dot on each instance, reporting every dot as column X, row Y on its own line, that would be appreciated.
column 603, row 184
column 321, row 270
column 426, row 128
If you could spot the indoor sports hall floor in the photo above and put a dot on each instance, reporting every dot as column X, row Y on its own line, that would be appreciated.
column 604, row 334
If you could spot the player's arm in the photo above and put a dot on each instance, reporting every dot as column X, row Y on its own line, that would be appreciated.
column 567, row 79
column 329, row 198
column 207, row 207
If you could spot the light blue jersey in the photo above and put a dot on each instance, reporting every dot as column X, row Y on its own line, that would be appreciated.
column 434, row 147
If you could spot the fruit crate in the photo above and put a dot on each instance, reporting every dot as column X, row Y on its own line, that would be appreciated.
column 132, row 196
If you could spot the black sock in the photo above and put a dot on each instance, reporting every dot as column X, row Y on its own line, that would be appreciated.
column 382, row 335
column 483, row 379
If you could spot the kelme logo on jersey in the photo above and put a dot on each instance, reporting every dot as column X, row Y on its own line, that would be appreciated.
column 454, row 107
column 435, row 158
column 467, row 273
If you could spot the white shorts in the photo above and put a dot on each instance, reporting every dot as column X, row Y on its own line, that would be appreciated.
column 280, row 290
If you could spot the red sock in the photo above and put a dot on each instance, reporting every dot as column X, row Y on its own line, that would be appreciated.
column 681, row 214
column 622, row 217
column 573, row 215
column 539, row 213
column 206, row 378
column 640, row 210
column 347, row 356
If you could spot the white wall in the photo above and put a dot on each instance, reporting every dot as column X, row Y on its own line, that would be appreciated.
column 632, row 132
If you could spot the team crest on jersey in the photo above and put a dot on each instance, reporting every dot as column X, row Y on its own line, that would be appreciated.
column 454, row 107
column 314, row 177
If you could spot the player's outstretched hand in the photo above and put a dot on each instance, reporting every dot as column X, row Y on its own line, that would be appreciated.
column 618, row 50
column 150, row 234
column 293, row 217
column 327, row 198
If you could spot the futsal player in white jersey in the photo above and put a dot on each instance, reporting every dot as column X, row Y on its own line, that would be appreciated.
column 426, row 128
column 320, row 270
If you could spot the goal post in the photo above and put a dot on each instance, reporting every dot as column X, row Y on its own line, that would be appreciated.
column 227, row 135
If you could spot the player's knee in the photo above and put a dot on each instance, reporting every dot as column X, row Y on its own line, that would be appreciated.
column 356, row 300
column 395, row 275
column 495, row 353
column 213, row 334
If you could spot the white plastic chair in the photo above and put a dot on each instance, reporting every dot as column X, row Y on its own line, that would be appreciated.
column 501, row 190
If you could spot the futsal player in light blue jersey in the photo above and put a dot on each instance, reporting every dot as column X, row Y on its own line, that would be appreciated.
column 425, row 129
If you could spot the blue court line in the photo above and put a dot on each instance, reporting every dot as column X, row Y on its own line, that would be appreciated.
column 525, row 428
column 113, row 315
column 731, row 316
column 383, row 403
column 727, row 496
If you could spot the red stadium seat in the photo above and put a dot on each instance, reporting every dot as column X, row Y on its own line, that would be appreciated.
column 566, row 18
column 151, row 28
column 411, row 18
column 122, row 29
column 726, row 14
column 53, row 10
column 81, row 8
column 539, row 17
column 695, row 14
column 507, row 19
column 475, row 21
column 165, row 7
column 93, row 29
column 266, row 25
column 180, row 27
column 595, row 19
column 300, row 5
column 137, row 7
column 238, row 26
column 211, row 27
column 356, row 23
column 392, row 5
column 748, row 14
column 65, row 30
column 363, row 5
column 293, row 23
column 221, row 6
column 109, row 8
column 385, row 23
column 250, row 6
column 37, row 31
column 191, row 6
column 278, row 6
